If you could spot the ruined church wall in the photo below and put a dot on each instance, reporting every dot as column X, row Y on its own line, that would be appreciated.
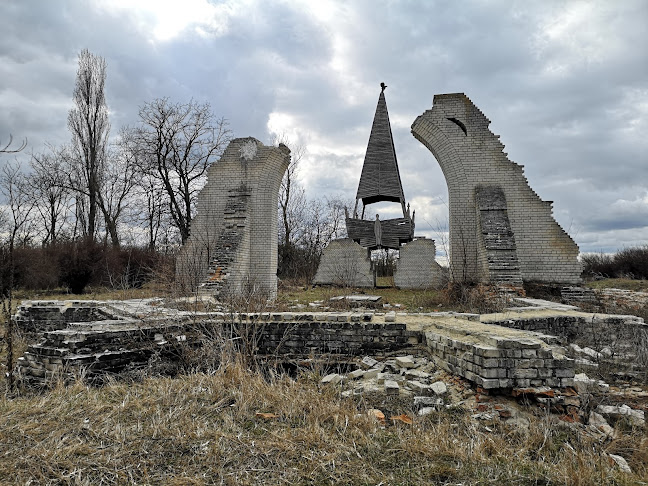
column 546, row 253
column 233, row 240
column 344, row 262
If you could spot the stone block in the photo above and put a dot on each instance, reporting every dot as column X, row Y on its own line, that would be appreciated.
column 405, row 362
column 392, row 387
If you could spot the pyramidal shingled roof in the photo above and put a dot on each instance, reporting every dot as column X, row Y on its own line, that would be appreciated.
column 380, row 179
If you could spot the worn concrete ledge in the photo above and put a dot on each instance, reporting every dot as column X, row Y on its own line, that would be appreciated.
column 571, row 325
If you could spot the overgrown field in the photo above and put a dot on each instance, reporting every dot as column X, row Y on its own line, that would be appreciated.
column 235, row 427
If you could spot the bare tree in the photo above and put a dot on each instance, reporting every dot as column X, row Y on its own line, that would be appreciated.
column 292, row 197
column 118, row 179
column 325, row 222
column 88, row 122
column 177, row 143
column 7, row 150
column 48, row 187
column 19, row 204
column 18, row 207
column 148, row 193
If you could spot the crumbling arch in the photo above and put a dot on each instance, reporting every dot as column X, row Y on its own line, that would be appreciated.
column 472, row 156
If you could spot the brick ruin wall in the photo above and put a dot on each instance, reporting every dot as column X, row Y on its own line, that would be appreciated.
column 42, row 316
column 232, row 247
column 488, row 355
column 344, row 262
column 597, row 330
column 470, row 155
column 497, row 257
column 416, row 267
column 492, row 358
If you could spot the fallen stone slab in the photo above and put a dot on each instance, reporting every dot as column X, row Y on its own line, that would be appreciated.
column 621, row 463
column 358, row 298
column 354, row 375
column 405, row 362
column 332, row 379
column 391, row 387
column 368, row 362
column 439, row 387
column 428, row 402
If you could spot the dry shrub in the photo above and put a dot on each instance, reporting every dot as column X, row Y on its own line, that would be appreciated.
column 627, row 263
column 472, row 297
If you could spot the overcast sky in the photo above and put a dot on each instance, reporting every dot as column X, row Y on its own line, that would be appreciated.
column 565, row 84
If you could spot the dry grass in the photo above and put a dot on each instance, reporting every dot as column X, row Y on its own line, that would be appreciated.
column 619, row 283
column 204, row 429
column 94, row 293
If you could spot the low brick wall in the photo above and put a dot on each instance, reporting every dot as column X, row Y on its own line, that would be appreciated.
column 584, row 330
column 47, row 315
column 494, row 357
column 516, row 349
column 111, row 345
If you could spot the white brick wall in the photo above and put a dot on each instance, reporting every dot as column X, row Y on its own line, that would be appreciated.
column 546, row 253
column 254, row 177
column 416, row 267
column 344, row 262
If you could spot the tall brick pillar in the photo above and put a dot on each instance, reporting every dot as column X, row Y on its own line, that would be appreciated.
column 232, row 247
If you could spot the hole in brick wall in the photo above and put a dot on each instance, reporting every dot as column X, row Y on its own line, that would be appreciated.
column 459, row 124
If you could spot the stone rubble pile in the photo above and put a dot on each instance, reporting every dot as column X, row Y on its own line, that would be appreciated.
column 404, row 376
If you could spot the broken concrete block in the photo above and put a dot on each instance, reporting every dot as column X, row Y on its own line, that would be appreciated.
column 332, row 379
column 598, row 422
column 354, row 375
column 391, row 387
column 405, row 362
column 428, row 402
column 372, row 373
column 439, row 387
column 418, row 387
column 636, row 417
column 368, row 362
column 621, row 463
column 417, row 374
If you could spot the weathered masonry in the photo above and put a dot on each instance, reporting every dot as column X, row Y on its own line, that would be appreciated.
column 123, row 334
column 232, row 247
column 500, row 230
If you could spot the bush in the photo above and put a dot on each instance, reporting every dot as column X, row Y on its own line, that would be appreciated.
column 627, row 263
column 77, row 264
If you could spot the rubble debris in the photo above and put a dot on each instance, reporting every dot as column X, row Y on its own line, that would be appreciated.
column 636, row 417
column 584, row 384
column 332, row 379
column 598, row 423
column 439, row 387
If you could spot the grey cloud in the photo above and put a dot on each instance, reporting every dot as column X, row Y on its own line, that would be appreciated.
column 579, row 130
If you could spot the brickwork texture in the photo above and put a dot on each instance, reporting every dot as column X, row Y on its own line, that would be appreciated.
column 232, row 247
column 470, row 155
column 416, row 267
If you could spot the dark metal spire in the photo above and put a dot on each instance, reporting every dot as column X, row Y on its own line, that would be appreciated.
column 380, row 179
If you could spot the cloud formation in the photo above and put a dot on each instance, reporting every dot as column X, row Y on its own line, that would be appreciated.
column 565, row 84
